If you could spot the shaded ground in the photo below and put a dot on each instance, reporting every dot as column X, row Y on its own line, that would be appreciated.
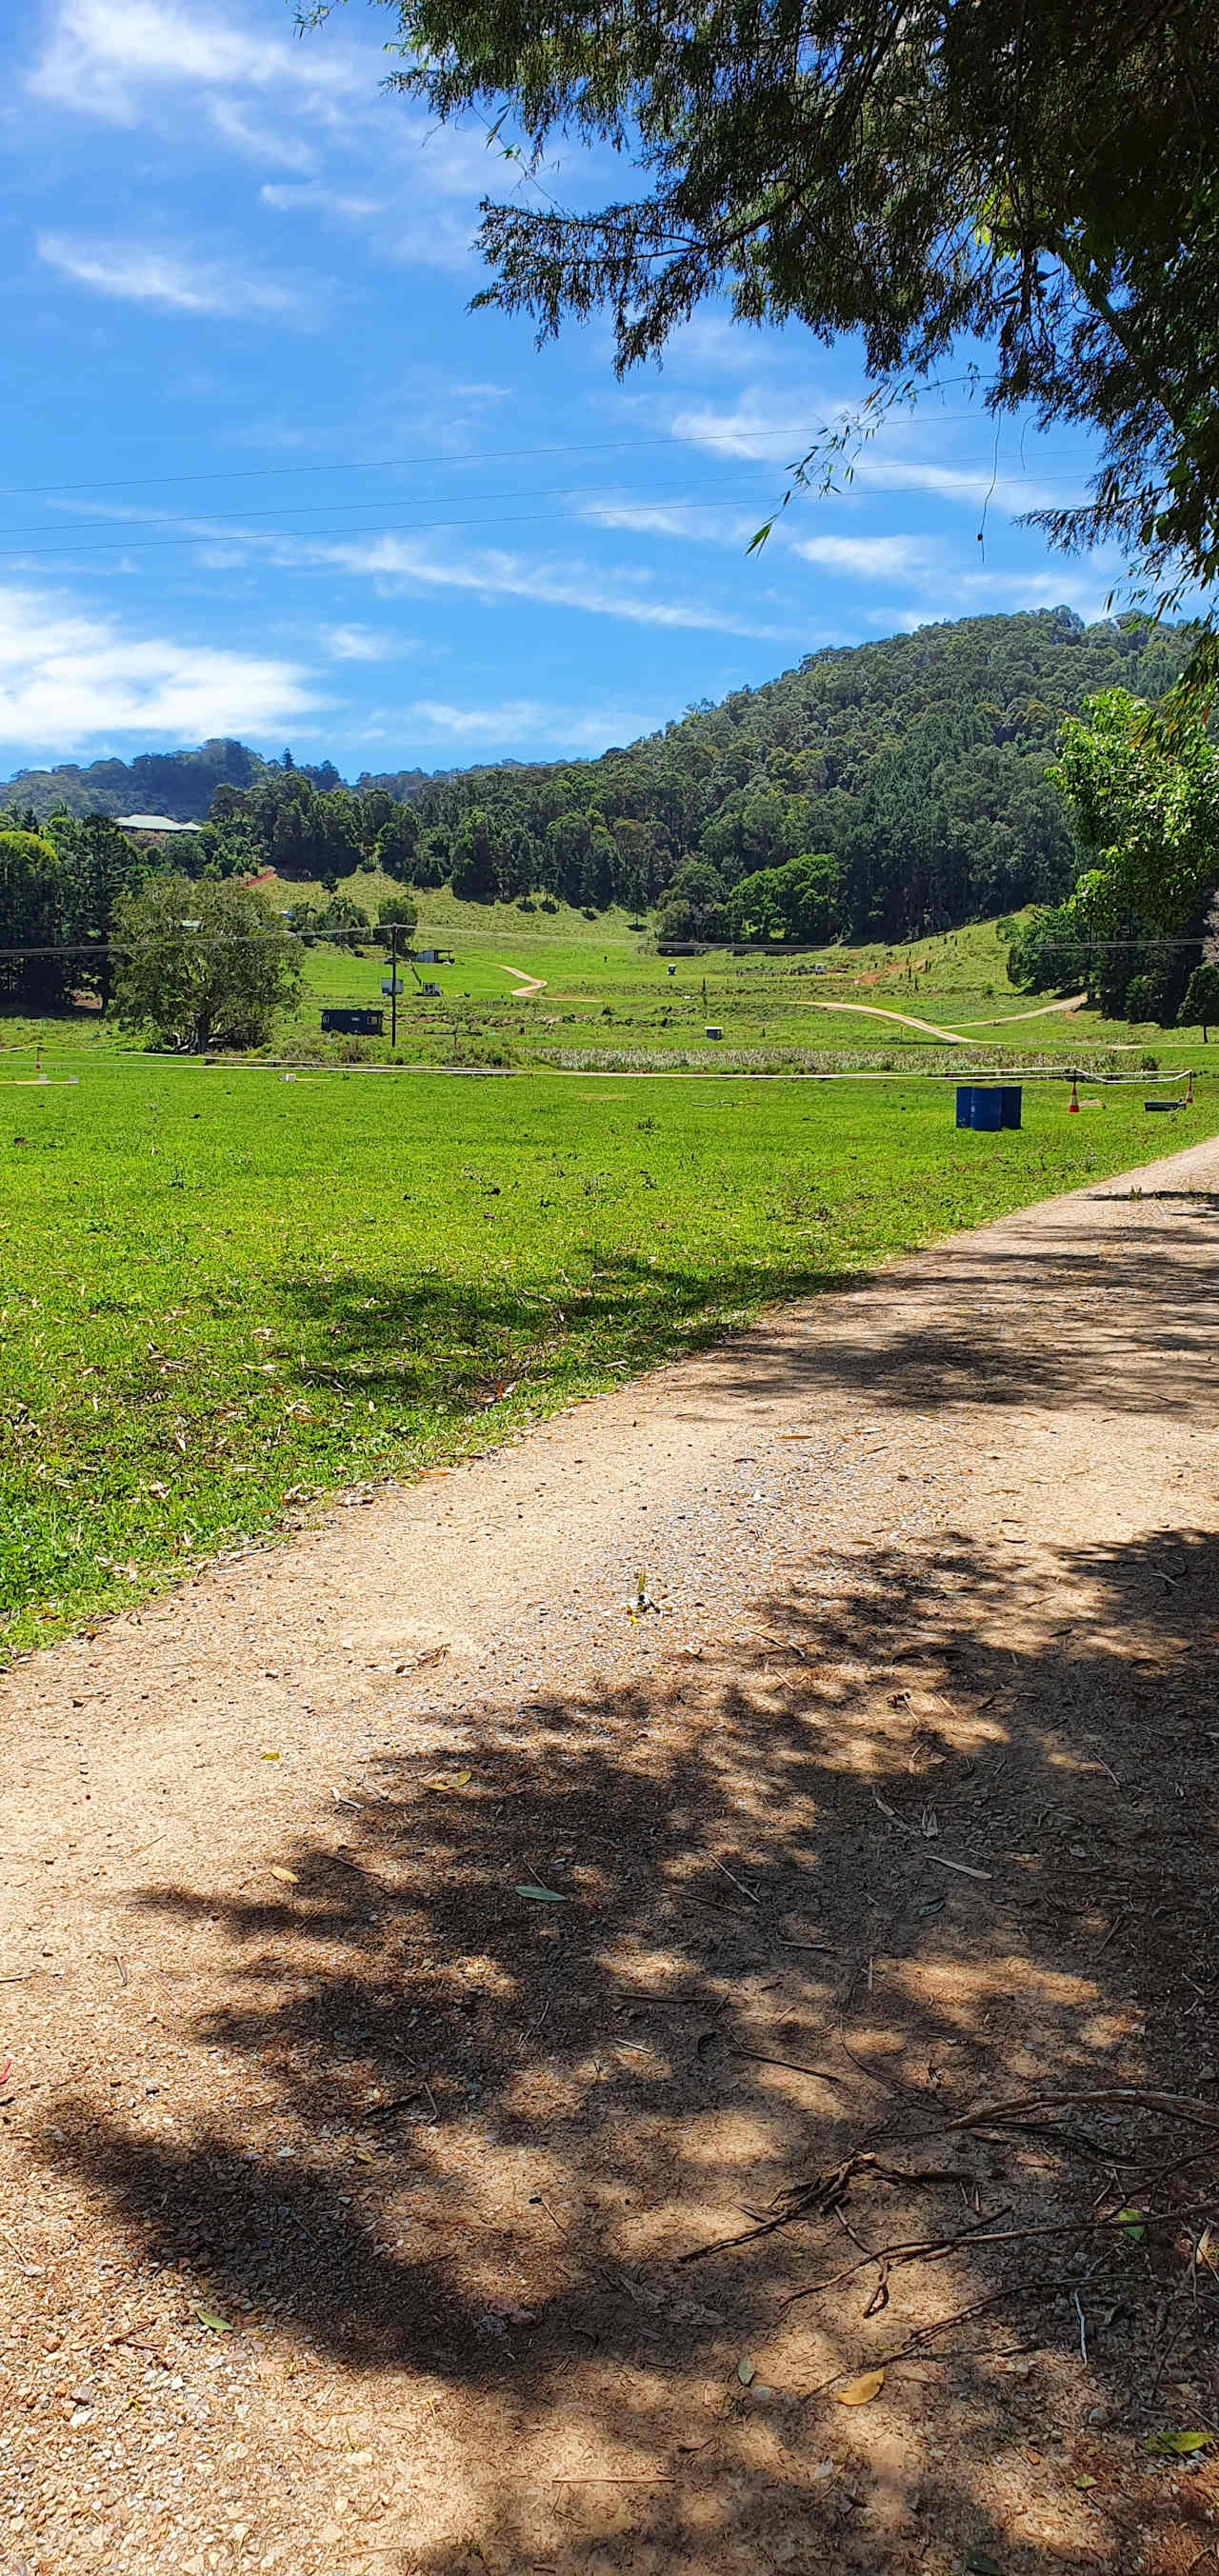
column 357, row 2204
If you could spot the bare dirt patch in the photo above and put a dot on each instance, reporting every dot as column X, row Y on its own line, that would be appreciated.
column 420, row 1964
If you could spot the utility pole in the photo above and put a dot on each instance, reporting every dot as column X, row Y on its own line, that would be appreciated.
column 393, row 988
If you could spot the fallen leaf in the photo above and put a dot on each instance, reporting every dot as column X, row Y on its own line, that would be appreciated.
column 288, row 1876
column 1131, row 2223
column 1176, row 2446
column 450, row 1780
column 860, row 2392
column 1082, row 2483
column 745, row 2370
column 542, row 1895
column 215, row 2324
column 270, row 1757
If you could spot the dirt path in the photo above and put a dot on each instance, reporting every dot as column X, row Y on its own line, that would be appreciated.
column 523, row 985
column 346, row 2185
column 873, row 1011
column 1044, row 1011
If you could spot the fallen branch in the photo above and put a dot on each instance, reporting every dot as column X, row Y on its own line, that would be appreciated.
column 1175, row 2106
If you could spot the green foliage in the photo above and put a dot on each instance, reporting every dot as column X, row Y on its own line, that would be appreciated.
column 397, row 911
column 221, row 1261
column 1200, row 1004
column 203, row 965
column 1046, row 953
column 1145, row 809
column 694, row 905
column 800, row 901
column 917, row 763
column 1031, row 186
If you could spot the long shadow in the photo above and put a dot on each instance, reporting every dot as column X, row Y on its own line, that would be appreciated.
column 530, row 2029
column 440, row 1336
column 1133, row 1332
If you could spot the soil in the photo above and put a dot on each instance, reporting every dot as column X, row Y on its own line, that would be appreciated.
column 779, row 1791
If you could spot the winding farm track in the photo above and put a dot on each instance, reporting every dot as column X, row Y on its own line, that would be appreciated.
column 954, row 1037
column 524, row 985
column 410, row 1952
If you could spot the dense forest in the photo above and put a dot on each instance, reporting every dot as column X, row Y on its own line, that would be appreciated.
column 880, row 790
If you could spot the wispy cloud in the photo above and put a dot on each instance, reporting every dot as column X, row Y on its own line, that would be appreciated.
column 253, row 133
column 769, row 434
column 495, row 573
column 106, row 60
column 514, row 721
column 868, row 558
column 148, row 273
column 287, row 197
column 363, row 644
column 699, row 522
column 68, row 680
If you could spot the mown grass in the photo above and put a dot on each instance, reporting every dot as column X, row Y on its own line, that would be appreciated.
column 606, row 995
column 223, row 1291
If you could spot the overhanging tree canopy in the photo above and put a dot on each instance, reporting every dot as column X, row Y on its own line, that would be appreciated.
column 1037, row 180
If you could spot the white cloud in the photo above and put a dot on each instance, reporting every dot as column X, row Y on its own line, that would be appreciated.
column 105, row 57
column 751, row 429
column 361, row 644
column 700, row 523
column 271, row 145
column 287, row 197
column 68, row 679
column 758, row 430
column 516, row 720
column 868, row 558
column 144, row 273
column 494, row 573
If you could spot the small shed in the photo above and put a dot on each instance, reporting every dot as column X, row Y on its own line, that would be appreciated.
column 353, row 1023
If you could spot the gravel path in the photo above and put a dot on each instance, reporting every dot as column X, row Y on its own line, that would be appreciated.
column 345, row 2183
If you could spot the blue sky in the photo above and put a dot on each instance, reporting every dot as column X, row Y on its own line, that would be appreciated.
column 264, row 474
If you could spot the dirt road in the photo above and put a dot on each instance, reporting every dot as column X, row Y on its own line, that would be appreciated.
column 411, row 1955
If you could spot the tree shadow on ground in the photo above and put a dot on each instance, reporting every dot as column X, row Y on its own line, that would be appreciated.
column 1132, row 1331
column 929, row 1833
column 436, row 1335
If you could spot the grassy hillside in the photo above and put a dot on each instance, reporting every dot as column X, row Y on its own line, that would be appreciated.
column 555, row 989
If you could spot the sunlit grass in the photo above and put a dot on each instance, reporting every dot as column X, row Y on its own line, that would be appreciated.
column 223, row 1291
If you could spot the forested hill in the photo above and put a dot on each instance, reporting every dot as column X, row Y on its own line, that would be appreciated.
column 916, row 763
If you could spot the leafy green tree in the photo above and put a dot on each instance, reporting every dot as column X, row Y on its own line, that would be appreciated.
column 100, row 865
column 1144, row 808
column 474, row 855
column 1033, row 181
column 1046, row 954
column 397, row 841
column 1200, row 1007
column 36, row 908
column 802, row 900
column 694, row 905
column 203, row 964
column 397, row 912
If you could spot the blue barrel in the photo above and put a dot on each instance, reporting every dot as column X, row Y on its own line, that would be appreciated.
column 986, row 1111
column 1011, row 1096
column 965, row 1102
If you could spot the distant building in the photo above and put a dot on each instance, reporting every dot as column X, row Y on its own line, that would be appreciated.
column 154, row 823
column 354, row 1023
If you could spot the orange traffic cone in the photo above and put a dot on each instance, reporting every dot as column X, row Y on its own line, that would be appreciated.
column 1073, row 1102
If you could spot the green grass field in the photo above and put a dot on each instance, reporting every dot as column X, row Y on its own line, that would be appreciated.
column 223, row 1291
column 604, row 999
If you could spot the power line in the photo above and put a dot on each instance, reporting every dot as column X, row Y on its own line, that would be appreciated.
column 205, row 527
column 395, row 464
